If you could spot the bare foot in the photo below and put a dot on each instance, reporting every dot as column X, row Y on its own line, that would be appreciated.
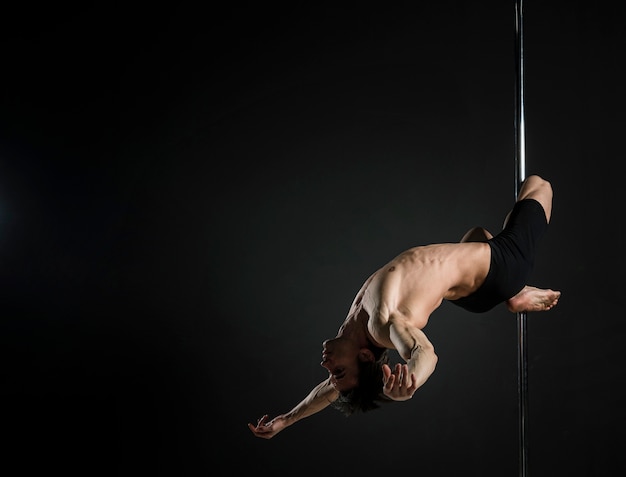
column 533, row 299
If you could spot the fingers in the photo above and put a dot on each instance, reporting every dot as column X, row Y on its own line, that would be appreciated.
column 402, row 372
column 398, row 378
column 386, row 372
column 263, row 429
column 388, row 380
column 261, row 422
column 388, row 377
column 399, row 384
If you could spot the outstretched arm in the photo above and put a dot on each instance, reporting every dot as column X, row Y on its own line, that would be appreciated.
column 319, row 398
column 419, row 353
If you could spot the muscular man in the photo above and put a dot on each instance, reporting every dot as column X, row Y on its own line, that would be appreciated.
column 395, row 302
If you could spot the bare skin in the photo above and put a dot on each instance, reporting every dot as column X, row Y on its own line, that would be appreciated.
column 394, row 305
column 533, row 299
column 528, row 299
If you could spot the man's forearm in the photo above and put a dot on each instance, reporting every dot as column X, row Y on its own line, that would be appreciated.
column 320, row 397
column 422, row 364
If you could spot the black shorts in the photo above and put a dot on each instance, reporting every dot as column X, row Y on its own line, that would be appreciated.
column 512, row 257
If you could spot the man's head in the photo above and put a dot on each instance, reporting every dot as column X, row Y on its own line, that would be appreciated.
column 356, row 372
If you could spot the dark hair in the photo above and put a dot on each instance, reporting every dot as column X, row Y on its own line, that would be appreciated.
column 368, row 394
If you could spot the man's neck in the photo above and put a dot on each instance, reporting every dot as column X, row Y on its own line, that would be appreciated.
column 355, row 328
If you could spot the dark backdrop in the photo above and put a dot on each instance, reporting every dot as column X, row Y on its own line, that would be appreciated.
column 191, row 198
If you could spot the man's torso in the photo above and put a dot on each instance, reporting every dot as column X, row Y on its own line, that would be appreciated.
column 415, row 282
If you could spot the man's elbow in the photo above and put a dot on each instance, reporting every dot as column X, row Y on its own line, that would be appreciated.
column 433, row 359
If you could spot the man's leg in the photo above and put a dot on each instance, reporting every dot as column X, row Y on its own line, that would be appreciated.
column 477, row 234
column 535, row 187
column 529, row 298
column 532, row 298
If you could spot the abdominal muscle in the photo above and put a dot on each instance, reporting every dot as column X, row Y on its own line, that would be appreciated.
column 415, row 283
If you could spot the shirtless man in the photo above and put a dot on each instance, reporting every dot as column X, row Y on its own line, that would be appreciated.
column 395, row 302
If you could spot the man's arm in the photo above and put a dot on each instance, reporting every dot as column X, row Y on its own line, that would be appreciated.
column 319, row 398
column 419, row 353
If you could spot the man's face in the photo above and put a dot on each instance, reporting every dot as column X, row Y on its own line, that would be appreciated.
column 341, row 358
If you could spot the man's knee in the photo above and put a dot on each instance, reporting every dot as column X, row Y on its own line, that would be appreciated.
column 535, row 185
column 477, row 234
column 538, row 188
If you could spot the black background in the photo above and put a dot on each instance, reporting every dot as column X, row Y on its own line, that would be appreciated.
column 191, row 198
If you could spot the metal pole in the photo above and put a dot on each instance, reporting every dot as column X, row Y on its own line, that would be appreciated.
column 520, row 175
column 520, row 136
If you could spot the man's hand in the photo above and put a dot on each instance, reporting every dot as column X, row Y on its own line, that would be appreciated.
column 399, row 385
column 267, row 430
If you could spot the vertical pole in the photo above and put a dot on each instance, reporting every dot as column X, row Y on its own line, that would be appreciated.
column 520, row 135
column 520, row 175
